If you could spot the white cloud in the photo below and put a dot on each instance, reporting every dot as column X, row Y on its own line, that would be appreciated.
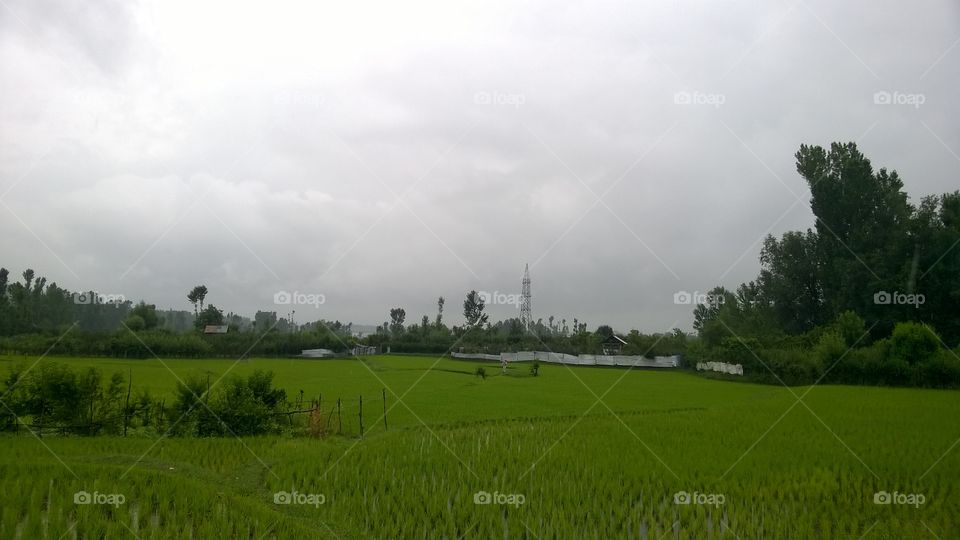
column 299, row 124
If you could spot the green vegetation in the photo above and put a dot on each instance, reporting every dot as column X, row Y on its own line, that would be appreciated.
column 868, row 297
column 782, row 468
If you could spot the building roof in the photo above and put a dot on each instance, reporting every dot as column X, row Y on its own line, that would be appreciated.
column 615, row 339
column 215, row 329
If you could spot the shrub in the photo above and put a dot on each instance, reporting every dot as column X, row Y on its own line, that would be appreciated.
column 831, row 348
column 895, row 372
column 859, row 366
column 739, row 351
column 239, row 406
column 851, row 328
column 791, row 366
column 135, row 323
column 913, row 343
column 941, row 371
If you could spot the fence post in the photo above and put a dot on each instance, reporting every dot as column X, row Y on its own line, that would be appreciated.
column 40, row 420
column 361, row 416
column 384, row 391
column 126, row 405
column 163, row 404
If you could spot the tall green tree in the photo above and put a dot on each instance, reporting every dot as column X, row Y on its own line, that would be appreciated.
column 473, row 306
column 196, row 297
column 397, row 316
column 440, row 302
column 862, row 227
column 790, row 281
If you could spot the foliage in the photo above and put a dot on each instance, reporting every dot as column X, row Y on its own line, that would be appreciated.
column 473, row 306
column 874, row 266
column 913, row 343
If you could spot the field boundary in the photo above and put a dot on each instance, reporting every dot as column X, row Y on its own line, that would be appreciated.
column 665, row 362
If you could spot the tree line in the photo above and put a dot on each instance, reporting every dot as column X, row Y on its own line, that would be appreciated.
column 867, row 296
column 53, row 397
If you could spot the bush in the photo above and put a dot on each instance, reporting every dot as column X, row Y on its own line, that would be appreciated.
column 791, row 366
column 239, row 406
column 851, row 328
column 135, row 323
column 830, row 349
column 736, row 351
column 55, row 396
column 859, row 366
column 941, row 371
column 895, row 372
column 913, row 343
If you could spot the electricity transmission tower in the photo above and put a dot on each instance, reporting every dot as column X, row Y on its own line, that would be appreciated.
column 526, row 317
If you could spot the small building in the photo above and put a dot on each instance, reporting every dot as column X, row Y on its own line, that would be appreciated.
column 215, row 329
column 613, row 345
column 316, row 353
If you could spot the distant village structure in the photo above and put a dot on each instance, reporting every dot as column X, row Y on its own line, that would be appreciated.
column 613, row 345
column 215, row 329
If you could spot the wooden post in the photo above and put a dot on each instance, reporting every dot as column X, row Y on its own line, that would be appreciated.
column 126, row 405
column 163, row 403
column 384, row 391
column 40, row 421
column 361, row 416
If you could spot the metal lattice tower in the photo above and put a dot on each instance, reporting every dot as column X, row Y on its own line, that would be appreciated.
column 526, row 316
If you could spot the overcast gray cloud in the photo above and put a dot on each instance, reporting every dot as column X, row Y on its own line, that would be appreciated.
column 387, row 154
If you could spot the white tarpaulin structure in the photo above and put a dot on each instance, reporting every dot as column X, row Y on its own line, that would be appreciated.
column 720, row 367
column 581, row 360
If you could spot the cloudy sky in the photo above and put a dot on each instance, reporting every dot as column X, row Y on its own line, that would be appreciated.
column 384, row 154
